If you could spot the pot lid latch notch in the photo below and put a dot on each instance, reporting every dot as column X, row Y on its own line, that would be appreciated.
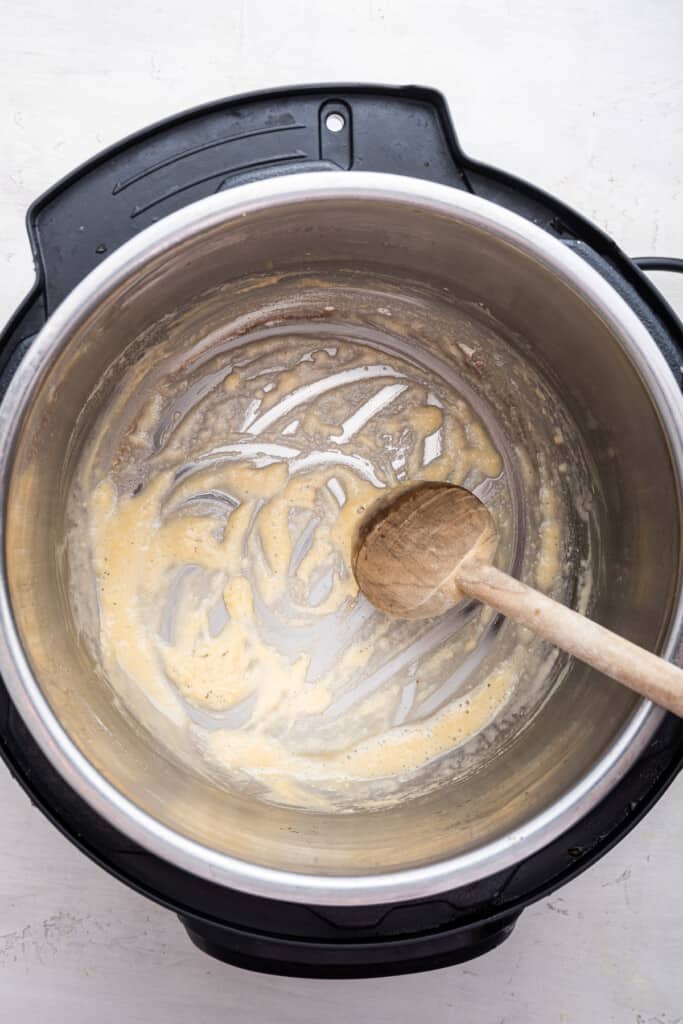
column 335, row 131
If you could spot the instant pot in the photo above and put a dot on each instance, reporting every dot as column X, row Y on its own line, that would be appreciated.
column 372, row 176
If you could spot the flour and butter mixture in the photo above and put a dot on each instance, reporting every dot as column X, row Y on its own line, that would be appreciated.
column 213, row 520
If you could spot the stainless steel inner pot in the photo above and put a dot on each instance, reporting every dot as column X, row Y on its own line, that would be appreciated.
column 613, row 381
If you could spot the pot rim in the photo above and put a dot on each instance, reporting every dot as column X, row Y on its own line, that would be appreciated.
column 122, row 813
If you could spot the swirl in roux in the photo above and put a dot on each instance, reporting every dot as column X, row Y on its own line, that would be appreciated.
column 220, row 543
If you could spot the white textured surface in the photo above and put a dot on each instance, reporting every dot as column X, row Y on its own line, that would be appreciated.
column 584, row 99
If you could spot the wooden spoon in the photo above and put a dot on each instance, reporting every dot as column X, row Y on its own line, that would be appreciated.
column 420, row 553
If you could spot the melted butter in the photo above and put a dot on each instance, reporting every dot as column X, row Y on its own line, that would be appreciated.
column 222, row 562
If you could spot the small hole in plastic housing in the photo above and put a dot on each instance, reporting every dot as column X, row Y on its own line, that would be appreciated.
column 335, row 122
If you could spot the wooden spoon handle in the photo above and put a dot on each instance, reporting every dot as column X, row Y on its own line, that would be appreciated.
column 648, row 675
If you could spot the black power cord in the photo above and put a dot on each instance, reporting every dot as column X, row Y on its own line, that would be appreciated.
column 659, row 263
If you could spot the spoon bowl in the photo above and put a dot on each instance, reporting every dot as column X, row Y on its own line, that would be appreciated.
column 411, row 545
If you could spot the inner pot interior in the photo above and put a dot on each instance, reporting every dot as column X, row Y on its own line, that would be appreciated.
column 466, row 292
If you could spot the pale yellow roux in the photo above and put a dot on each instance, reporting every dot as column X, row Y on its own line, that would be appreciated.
column 399, row 751
column 136, row 550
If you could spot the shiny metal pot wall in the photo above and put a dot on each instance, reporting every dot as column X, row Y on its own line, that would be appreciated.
column 615, row 383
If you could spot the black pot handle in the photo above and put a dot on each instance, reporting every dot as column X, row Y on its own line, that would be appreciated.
column 653, row 263
column 348, row 958
column 100, row 205
column 72, row 227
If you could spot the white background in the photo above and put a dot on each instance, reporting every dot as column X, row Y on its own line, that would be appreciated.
column 586, row 100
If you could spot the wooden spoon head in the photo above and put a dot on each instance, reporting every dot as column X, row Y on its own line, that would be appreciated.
column 410, row 547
